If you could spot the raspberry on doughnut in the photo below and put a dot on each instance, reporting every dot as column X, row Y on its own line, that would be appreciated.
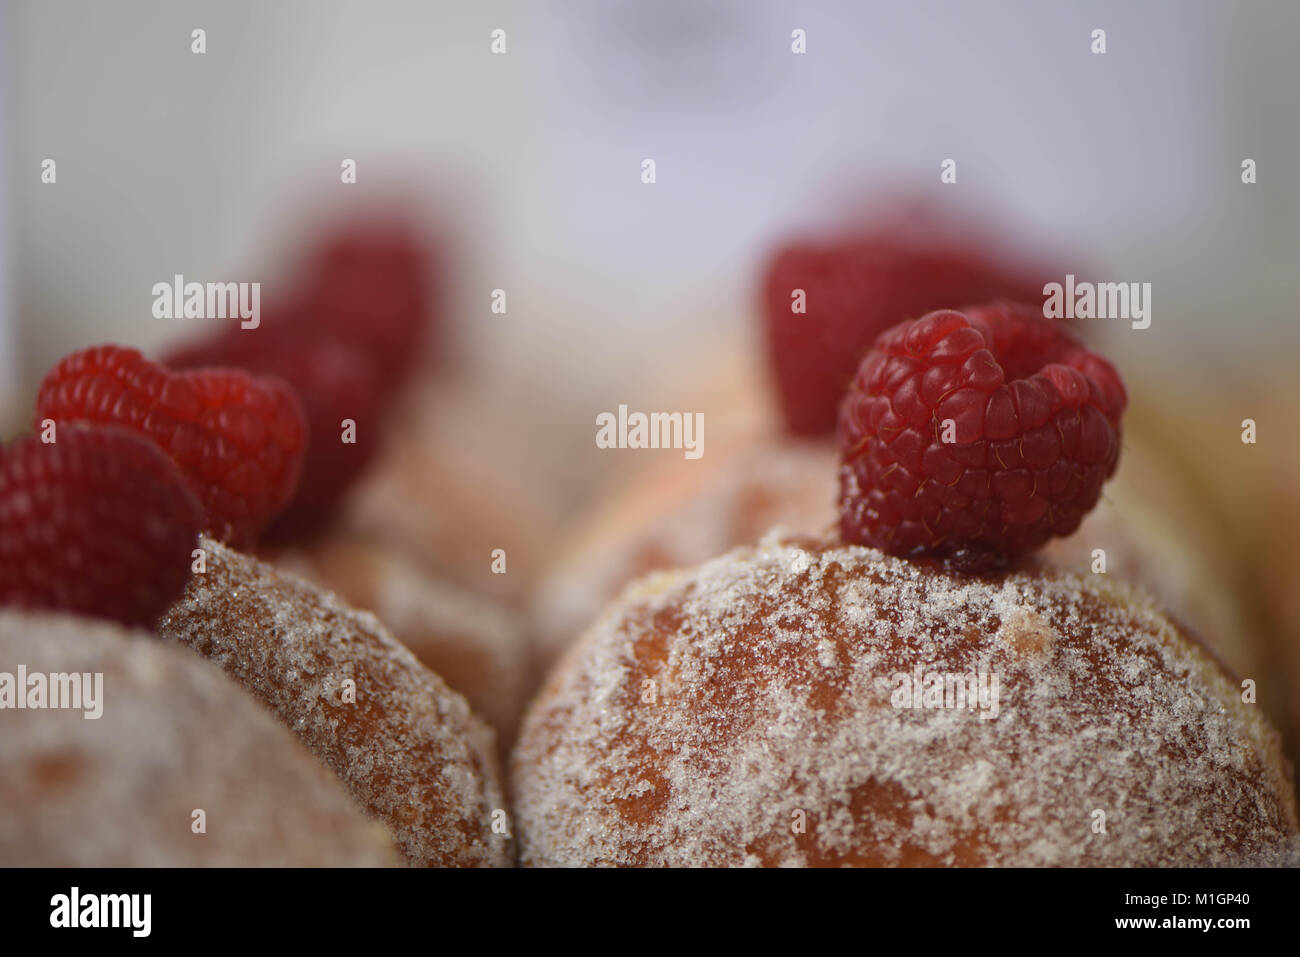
column 236, row 438
column 865, row 699
column 99, row 522
column 981, row 434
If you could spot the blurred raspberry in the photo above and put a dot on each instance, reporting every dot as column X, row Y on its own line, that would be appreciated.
column 350, row 336
column 99, row 522
column 333, row 382
column 374, row 285
column 1032, row 421
column 855, row 289
column 237, row 439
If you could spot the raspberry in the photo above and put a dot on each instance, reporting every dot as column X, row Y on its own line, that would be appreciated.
column 98, row 522
column 371, row 286
column 379, row 321
column 237, row 440
column 855, row 289
column 977, row 435
column 333, row 381
column 347, row 342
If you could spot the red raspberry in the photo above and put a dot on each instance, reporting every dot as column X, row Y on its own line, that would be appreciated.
column 372, row 286
column 238, row 440
column 1033, row 423
column 98, row 522
column 347, row 342
column 333, row 381
column 855, row 289
column 376, row 319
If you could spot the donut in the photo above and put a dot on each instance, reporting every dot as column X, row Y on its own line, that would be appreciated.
column 180, row 768
column 809, row 703
column 680, row 514
column 1270, row 516
column 1153, row 531
column 1242, row 504
column 407, row 747
column 450, row 491
column 477, row 645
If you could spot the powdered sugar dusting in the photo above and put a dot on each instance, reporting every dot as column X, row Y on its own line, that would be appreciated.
column 746, row 712
column 408, row 747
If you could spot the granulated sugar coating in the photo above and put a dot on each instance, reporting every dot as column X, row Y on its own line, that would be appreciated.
column 477, row 645
column 752, row 712
column 408, row 747
column 174, row 736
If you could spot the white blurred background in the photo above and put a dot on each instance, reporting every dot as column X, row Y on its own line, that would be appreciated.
column 213, row 166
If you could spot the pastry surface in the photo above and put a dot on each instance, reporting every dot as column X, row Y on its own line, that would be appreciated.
column 174, row 736
column 747, row 713
column 408, row 747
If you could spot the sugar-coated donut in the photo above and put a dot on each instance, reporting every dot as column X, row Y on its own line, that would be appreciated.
column 1273, row 505
column 449, row 490
column 477, row 645
column 180, row 768
column 407, row 747
column 1152, row 531
column 758, row 710
column 679, row 514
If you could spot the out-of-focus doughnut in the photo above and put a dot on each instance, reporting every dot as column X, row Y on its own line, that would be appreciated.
column 180, row 768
